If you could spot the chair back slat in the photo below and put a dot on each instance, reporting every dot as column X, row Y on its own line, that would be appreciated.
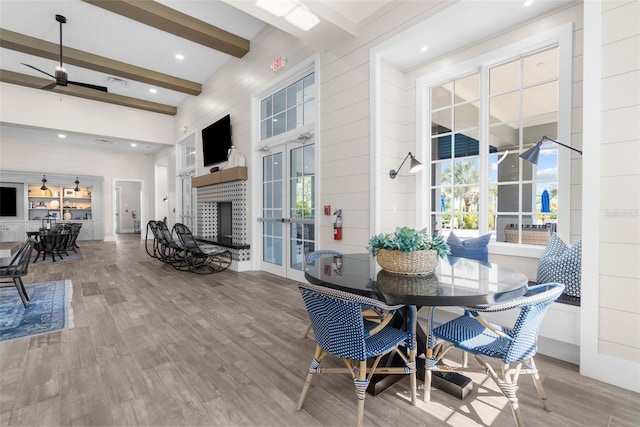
column 337, row 324
column 165, row 237
column 186, row 238
column 19, row 264
column 526, row 328
column 533, row 305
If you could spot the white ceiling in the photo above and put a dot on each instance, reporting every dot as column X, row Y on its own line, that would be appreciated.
column 98, row 31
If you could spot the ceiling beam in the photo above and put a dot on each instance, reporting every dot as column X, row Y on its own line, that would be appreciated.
column 171, row 21
column 83, row 92
column 44, row 49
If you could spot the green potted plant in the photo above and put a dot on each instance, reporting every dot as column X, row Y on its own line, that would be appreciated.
column 407, row 250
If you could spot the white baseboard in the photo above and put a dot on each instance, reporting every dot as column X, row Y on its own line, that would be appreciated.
column 240, row 266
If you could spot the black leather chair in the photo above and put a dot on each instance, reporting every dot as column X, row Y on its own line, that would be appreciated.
column 17, row 268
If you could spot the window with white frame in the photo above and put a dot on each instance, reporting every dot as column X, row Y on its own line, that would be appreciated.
column 480, row 122
column 187, row 154
column 289, row 108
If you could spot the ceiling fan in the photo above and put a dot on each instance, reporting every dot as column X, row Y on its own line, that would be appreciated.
column 61, row 73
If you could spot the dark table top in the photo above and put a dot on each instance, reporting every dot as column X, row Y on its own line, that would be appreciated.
column 225, row 242
column 456, row 281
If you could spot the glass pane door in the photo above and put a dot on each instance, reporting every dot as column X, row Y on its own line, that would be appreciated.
column 188, row 204
column 288, row 209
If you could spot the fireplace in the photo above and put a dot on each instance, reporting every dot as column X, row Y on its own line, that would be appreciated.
column 225, row 220
column 222, row 217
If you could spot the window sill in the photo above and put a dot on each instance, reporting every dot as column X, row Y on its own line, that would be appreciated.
column 512, row 249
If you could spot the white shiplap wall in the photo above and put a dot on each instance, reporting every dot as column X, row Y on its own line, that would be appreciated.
column 55, row 158
column 397, row 139
column 610, row 342
column 343, row 132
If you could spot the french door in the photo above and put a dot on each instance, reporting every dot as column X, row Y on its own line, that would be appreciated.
column 288, row 208
column 187, row 215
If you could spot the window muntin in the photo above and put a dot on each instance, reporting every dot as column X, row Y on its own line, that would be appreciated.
column 521, row 97
column 289, row 108
column 187, row 154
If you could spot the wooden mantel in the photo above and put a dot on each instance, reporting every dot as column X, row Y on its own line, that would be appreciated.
column 225, row 175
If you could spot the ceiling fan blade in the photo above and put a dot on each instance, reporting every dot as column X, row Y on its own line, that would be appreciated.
column 88, row 85
column 38, row 69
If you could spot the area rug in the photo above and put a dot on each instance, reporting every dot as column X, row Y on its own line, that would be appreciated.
column 73, row 256
column 49, row 310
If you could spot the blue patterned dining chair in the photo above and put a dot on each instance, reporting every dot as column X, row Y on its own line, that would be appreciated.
column 340, row 330
column 514, row 346
column 312, row 257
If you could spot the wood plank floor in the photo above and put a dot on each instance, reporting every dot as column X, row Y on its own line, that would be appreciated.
column 153, row 346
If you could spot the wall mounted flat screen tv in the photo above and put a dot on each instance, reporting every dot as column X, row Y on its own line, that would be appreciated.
column 216, row 141
column 8, row 201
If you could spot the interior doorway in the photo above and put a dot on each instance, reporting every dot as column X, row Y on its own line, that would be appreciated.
column 128, row 206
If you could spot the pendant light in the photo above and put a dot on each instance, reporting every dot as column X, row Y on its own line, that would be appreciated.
column 77, row 188
column 44, row 181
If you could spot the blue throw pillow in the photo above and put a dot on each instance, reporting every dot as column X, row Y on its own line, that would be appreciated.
column 562, row 264
column 475, row 248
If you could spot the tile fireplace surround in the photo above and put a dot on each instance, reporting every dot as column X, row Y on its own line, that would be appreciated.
column 207, row 213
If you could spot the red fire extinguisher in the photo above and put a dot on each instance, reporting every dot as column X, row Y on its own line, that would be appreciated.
column 337, row 225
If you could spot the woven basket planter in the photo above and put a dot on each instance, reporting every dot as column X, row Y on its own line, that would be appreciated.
column 405, row 284
column 398, row 262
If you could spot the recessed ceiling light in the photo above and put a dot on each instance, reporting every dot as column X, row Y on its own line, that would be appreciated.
column 528, row 3
column 276, row 7
column 179, row 56
column 62, row 135
column 153, row 90
column 302, row 18
column 117, row 80
column 424, row 48
column 133, row 144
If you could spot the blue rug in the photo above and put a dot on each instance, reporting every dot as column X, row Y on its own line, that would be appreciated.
column 49, row 310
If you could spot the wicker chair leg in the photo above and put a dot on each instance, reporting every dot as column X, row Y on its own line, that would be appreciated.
column 361, row 391
column 427, row 384
column 412, row 376
column 317, row 357
column 538, row 384
column 305, row 389
column 516, row 413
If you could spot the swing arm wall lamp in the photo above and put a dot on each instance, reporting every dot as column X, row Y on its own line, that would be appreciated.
column 531, row 155
column 415, row 166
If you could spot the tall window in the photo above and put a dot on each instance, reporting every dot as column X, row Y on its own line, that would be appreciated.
column 480, row 123
column 187, row 153
column 186, row 170
column 290, row 108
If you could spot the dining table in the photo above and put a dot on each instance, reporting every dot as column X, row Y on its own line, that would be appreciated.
column 454, row 282
column 48, row 241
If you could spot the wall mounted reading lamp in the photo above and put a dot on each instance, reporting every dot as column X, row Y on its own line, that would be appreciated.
column 415, row 166
column 531, row 155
